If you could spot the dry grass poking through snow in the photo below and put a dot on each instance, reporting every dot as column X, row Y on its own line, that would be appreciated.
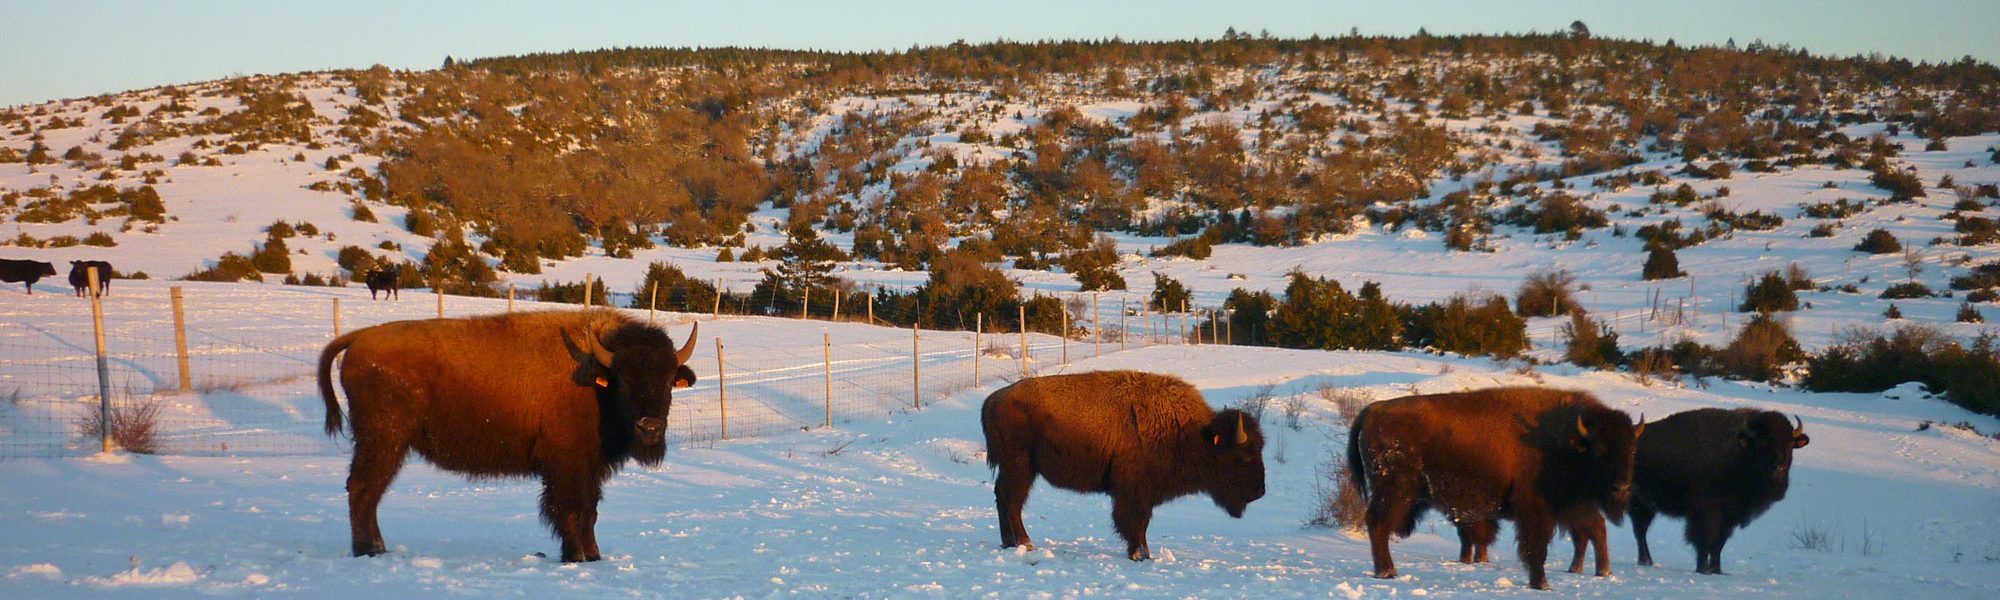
column 1339, row 503
column 134, row 425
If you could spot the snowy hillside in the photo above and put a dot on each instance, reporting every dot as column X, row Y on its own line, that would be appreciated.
column 900, row 505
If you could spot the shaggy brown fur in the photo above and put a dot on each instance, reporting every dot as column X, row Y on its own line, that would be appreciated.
column 1717, row 468
column 1140, row 437
column 1535, row 455
column 566, row 396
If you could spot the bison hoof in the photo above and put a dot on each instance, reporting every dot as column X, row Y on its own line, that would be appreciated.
column 375, row 549
column 1645, row 562
column 1604, row 572
column 1140, row 554
column 1386, row 574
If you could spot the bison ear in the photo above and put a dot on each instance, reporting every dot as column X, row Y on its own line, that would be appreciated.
column 1215, row 440
column 684, row 376
column 1800, row 440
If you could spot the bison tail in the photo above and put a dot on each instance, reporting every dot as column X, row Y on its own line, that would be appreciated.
column 334, row 421
column 1355, row 471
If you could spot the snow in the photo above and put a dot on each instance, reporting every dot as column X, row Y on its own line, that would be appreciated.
column 900, row 504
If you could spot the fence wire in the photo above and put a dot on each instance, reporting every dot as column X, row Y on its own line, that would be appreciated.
column 251, row 354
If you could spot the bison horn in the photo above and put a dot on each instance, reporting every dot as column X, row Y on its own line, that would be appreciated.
column 686, row 350
column 1798, row 426
column 1242, row 437
column 1580, row 429
column 1640, row 428
column 590, row 346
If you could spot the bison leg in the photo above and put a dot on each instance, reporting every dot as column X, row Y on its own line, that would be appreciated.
column 1387, row 510
column 1588, row 530
column 375, row 465
column 1642, row 518
column 569, row 504
column 1707, row 531
column 1010, row 494
column 1534, row 526
column 1131, row 517
column 1474, row 536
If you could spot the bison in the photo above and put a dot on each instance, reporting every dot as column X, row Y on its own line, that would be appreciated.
column 1584, row 524
column 79, row 276
column 383, row 279
column 1140, row 437
column 567, row 396
column 1538, row 456
column 25, row 271
column 1717, row 468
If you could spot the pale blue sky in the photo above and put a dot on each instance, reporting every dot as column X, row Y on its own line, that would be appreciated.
column 72, row 48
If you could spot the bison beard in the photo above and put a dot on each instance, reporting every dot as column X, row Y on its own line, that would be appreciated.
column 1717, row 468
column 1537, row 456
column 1144, row 439
column 565, row 396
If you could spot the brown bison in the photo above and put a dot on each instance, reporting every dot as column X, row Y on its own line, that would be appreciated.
column 1537, row 456
column 567, row 396
column 383, row 279
column 1140, row 437
column 79, row 276
column 25, row 271
column 1717, row 468
column 1584, row 524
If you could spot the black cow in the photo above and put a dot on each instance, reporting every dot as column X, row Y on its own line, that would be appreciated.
column 79, row 276
column 1538, row 456
column 383, row 279
column 568, row 396
column 1140, row 437
column 25, row 271
column 1717, row 468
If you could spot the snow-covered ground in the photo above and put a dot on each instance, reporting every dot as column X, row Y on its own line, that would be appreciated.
column 899, row 504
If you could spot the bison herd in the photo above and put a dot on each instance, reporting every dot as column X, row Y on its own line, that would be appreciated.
column 571, row 396
column 30, row 271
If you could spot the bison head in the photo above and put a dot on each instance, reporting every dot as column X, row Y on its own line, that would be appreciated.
column 1766, row 444
column 1606, row 442
column 635, row 369
column 1236, row 455
column 42, row 268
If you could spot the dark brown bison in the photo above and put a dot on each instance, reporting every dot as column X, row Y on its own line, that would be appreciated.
column 567, row 396
column 1140, row 437
column 25, row 271
column 79, row 276
column 1536, row 456
column 383, row 279
column 1717, row 468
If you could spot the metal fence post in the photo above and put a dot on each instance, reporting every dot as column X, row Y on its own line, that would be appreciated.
column 916, row 368
column 978, row 330
column 103, row 363
column 181, row 340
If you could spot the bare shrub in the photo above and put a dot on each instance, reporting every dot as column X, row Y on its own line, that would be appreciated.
column 1259, row 401
column 1546, row 293
column 134, row 425
column 1810, row 535
column 1348, row 401
column 1338, row 503
column 1295, row 411
column 211, row 383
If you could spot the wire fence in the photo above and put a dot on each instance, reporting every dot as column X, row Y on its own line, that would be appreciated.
column 244, row 383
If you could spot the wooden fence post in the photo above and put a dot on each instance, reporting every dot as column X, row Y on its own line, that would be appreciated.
column 717, row 310
column 177, row 310
column 805, row 307
column 869, row 297
column 181, row 337
column 104, row 424
column 826, row 345
column 1122, row 332
column 510, row 296
column 722, row 386
column 439, row 292
column 916, row 368
column 1065, row 335
column 978, row 330
column 586, row 289
column 652, row 300
column 1184, row 316
column 836, row 306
